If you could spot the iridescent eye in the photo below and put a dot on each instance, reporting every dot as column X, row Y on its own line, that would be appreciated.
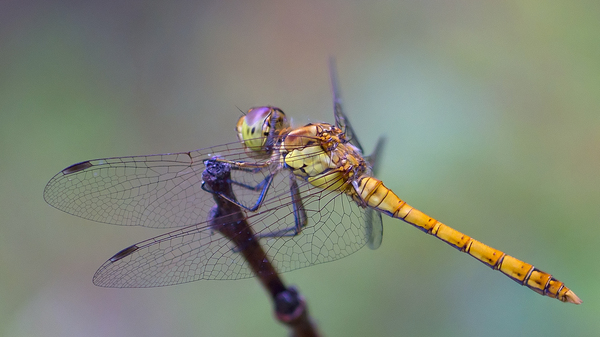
column 257, row 116
column 253, row 128
column 260, row 126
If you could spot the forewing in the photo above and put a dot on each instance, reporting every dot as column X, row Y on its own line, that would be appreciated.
column 341, row 121
column 157, row 191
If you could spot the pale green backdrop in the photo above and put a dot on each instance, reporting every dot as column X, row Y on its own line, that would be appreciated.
column 491, row 109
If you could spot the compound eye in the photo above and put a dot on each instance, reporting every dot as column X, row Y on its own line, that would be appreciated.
column 253, row 128
column 258, row 116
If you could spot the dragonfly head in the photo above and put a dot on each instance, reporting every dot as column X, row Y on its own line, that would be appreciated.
column 259, row 128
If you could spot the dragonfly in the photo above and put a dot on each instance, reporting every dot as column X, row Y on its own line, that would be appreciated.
column 308, row 192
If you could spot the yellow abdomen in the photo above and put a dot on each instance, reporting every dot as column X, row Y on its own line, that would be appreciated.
column 374, row 194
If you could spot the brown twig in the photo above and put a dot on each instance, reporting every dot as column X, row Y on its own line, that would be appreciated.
column 228, row 218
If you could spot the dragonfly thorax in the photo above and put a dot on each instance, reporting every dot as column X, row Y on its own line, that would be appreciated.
column 260, row 128
column 321, row 154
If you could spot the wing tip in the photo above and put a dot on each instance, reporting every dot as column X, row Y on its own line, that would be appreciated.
column 77, row 167
column 124, row 253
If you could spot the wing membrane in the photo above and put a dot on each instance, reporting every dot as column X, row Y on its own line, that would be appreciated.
column 157, row 191
column 341, row 121
column 336, row 228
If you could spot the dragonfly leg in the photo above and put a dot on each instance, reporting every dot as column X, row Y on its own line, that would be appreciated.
column 253, row 167
column 256, row 188
column 263, row 186
column 300, row 218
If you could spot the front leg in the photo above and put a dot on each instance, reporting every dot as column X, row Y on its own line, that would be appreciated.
column 252, row 168
column 300, row 217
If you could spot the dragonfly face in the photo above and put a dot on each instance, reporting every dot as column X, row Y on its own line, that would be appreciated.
column 259, row 129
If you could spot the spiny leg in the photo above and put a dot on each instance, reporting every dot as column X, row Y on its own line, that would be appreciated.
column 263, row 186
column 300, row 217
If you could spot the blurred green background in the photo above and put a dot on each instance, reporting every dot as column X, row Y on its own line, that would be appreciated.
column 491, row 111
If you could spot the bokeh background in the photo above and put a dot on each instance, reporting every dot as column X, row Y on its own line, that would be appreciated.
column 490, row 108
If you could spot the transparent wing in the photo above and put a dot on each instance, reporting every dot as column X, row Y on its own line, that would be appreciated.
column 335, row 228
column 374, row 221
column 341, row 121
column 374, row 225
column 157, row 191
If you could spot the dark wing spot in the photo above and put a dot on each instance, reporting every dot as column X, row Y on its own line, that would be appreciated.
column 253, row 129
column 77, row 167
column 125, row 252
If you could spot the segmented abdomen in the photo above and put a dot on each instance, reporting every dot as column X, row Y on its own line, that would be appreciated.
column 376, row 195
